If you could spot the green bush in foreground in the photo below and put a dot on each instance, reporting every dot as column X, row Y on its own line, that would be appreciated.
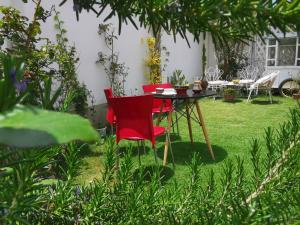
column 126, row 195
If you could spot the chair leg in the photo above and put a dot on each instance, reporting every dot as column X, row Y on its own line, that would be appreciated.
column 155, row 154
column 177, row 126
column 143, row 143
column 270, row 96
column 249, row 96
column 117, row 165
column 112, row 129
column 138, row 142
column 169, row 140
column 173, row 125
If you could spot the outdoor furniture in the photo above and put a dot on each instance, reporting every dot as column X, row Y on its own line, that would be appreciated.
column 213, row 76
column 241, row 86
column 134, row 121
column 110, row 116
column 156, row 107
column 157, row 103
column 264, row 83
column 248, row 73
column 190, row 101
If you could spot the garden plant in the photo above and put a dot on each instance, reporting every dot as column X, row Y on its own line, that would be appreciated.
column 41, row 142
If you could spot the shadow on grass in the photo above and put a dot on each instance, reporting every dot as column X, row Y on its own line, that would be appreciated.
column 89, row 151
column 134, row 149
column 146, row 173
column 234, row 101
column 264, row 102
column 183, row 153
column 147, row 149
column 173, row 137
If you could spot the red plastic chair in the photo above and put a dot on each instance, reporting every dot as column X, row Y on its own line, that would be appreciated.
column 110, row 115
column 158, row 102
column 134, row 120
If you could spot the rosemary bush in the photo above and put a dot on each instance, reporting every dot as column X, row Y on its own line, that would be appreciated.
column 128, row 195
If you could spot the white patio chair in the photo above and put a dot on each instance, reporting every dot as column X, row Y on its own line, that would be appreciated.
column 247, row 76
column 264, row 83
column 213, row 76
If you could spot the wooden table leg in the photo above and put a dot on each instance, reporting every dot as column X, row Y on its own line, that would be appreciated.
column 189, row 120
column 160, row 114
column 167, row 142
column 204, row 129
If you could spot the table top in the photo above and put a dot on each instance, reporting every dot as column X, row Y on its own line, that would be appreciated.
column 190, row 95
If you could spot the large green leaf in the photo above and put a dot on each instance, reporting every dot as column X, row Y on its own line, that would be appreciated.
column 27, row 127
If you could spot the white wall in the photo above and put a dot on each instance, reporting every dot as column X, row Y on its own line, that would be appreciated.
column 182, row 57
column 132, row 51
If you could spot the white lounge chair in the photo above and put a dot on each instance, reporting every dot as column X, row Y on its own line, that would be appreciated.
column 264, row 83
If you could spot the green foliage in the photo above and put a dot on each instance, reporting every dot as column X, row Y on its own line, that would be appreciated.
column 71, row 160
column 115, row 71
column 178, row 78
column 229, row 91
column 45, row 61
column 48, row 101
column 33, row 127
column 231, row 58
column 67, row 60
column 22, row 193
column 12, row 82
column 238, row 20
column 269, row 194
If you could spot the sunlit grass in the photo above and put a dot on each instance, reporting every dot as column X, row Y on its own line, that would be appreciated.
column 231, row 127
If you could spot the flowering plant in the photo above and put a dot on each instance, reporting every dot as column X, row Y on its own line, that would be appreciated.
column 13, row 82
column 153, row 61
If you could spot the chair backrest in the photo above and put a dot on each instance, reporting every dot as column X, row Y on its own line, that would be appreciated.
column 268, row 80
column 110, row 112
column 213, row 73
column 158, row 102
column 248, row 73
column 134, row 117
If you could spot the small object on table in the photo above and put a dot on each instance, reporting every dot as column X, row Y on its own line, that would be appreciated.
column 169, row 91
column 181, row 90
column 197, row 88
column 159, row 90
column 235, row 81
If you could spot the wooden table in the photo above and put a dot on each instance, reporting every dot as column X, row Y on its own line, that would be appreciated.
column 189, row 101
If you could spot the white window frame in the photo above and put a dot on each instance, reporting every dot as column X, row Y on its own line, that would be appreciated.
column 297, row 49
column 267, row 52
column 268, row 46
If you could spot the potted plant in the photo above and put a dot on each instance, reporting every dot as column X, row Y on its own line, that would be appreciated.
column 229, row 94
column 179, row 82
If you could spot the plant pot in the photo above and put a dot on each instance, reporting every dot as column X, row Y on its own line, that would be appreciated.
column 181, row 90
column 229, row 97
column 296, row 96
column 204, row 84
column 102, row 133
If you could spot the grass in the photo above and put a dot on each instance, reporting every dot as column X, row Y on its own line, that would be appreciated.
column 231, row 127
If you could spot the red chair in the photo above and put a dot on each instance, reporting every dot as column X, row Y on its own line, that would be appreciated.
column 157, row 103
column 110, row 115
column 134, row 120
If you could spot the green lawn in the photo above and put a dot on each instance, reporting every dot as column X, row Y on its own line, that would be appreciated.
column 231, row 127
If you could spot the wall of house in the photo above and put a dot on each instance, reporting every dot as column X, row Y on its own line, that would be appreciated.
column 83, row 34
column 132, row 50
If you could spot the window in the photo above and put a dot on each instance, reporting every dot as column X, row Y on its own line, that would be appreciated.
column 271, row 57
column 285, row 52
